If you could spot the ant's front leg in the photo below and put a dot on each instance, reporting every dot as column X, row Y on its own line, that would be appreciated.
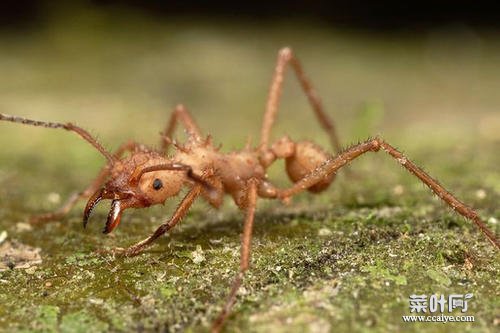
column 178, row 215
column 91, row 189
column 72, row 200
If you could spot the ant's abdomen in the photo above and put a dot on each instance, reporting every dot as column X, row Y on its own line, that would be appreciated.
column 307, row 157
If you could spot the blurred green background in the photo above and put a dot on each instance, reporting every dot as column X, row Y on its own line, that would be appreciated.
column 118, row 71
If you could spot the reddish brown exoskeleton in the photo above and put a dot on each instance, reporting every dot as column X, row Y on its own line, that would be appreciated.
column 147, row 177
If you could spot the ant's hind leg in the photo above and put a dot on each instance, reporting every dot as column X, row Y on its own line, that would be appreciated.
column 91, row 189
column 333, row 165
column 182, row 115
column 285, row 57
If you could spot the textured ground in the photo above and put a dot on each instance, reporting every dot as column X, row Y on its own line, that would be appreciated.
column 343, row 261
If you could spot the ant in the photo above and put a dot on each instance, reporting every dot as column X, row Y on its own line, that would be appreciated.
column 148, row 177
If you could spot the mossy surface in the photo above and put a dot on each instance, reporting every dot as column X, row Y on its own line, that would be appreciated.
column 345, row 261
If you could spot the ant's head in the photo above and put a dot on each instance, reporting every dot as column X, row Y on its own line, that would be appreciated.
column 141, row 180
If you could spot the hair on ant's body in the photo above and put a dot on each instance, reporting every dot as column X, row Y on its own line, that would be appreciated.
column 147, row 177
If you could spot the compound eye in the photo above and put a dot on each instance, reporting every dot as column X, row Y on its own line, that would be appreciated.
column 157, row 184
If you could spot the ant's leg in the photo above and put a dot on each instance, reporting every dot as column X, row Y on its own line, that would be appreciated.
column 334, row 164
column 285, row 57
column 182, row 115
column 72, row 200
column 246, row 244
column 76, row 196
column 178, row 215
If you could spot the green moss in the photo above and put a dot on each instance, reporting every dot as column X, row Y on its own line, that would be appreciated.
column 81, row 322
column 46, row 319
column 439, row 277
column 379, row 272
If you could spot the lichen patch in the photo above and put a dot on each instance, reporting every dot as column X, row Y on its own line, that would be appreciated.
column 17, row 255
